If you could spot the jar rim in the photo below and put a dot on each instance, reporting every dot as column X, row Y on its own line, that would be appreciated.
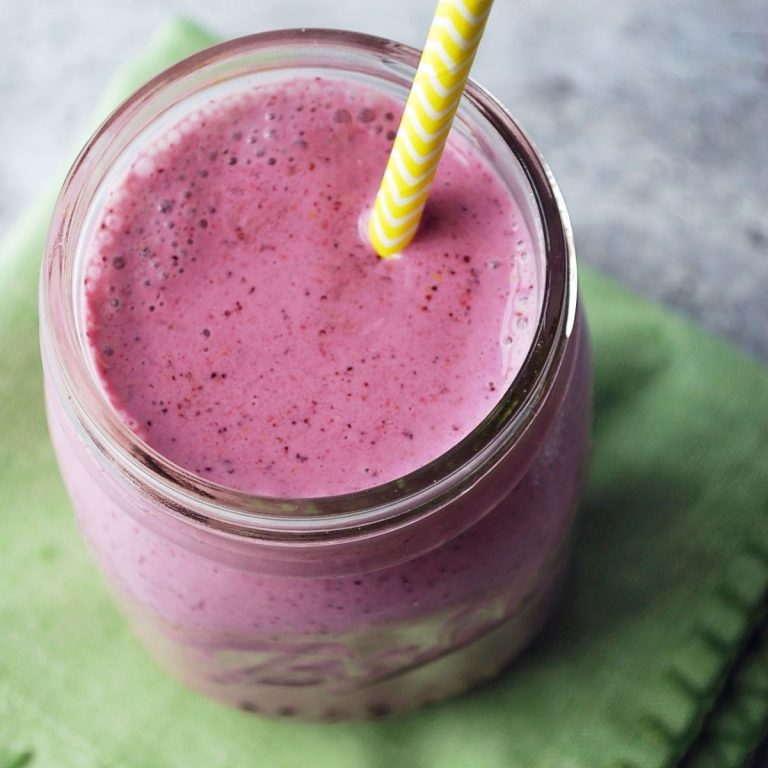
column 389, row 505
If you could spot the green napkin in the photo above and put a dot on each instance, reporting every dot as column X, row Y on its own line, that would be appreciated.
column 643, row 659
column 734, row 727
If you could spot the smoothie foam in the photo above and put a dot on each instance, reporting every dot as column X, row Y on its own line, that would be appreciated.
column 245, row 330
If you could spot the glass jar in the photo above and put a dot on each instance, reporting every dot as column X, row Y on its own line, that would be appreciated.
column 349, row 606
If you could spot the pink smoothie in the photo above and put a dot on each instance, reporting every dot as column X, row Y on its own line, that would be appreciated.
column 246, row 330
column 243, row 328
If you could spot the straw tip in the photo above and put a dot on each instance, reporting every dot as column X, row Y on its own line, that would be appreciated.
column 369, row 234
column 386, row 253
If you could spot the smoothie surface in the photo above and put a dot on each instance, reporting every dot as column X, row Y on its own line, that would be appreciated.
column 242, row 326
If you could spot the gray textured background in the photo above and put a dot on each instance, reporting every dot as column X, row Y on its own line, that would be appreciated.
column 653, row 115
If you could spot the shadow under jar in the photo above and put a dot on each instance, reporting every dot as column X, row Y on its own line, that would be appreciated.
column 349, row 606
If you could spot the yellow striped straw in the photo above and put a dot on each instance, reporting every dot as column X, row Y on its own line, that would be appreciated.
column 432, row 103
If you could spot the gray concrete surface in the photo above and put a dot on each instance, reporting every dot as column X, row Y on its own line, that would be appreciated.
column 653, row 115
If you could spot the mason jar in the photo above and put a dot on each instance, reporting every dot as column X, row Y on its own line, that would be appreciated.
column 349, row 606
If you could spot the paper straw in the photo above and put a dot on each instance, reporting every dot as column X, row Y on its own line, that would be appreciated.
column 432, row 103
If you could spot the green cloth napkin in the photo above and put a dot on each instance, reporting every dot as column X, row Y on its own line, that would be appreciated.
column 643, row 659
column 738, row 721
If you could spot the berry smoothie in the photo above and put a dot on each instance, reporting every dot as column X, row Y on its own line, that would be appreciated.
column 237, row 321
column 247, row 332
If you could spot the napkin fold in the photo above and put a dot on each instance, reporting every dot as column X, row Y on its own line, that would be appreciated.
column 643, row 665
